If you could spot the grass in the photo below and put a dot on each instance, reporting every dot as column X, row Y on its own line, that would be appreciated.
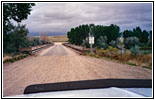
column 143, row 60
column 129, row 63
column 12, row 58
column 61, row 38
column 58, row 38
column 145, row 52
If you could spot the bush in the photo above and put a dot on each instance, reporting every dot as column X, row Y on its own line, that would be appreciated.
column 127, row 55
column 100, row 52
column 145, row 48
column 102, row 42
column 134, row 50
column 118, row 43
column 131, row 42
column 147, row 60
column 112, row 43
column 109, row 52
column 11, row 60
column 112, row 50
column 15, row 58
column 133, row 55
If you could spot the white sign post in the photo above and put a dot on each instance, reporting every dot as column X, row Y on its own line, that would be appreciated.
column 91, row 42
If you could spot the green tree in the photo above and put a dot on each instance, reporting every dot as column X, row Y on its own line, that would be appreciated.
column 137, row 32
column 150, row 39
column 127, row 33
column 16, row 12
column 17, row 38
column 78, row 34
column 144, row 37
column 112, row 32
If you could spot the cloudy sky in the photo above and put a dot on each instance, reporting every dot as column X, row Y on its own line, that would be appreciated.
column 58, row 18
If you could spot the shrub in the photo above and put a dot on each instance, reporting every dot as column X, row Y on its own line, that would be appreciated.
column 137, row 58
column 134, row 50
column 112, row 43
column 11, row 60
column 109, row 52
column 112, row 50
column 145, row 48
column 100, row 52
column 131, row 42
column 102, row 42
column 15, row 58
column 127, row 55
column 118, row 43
column 147, row 59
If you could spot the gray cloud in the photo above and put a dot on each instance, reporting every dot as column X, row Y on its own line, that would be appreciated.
column 60, row 17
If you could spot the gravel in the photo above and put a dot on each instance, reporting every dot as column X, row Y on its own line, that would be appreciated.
column 59, row 64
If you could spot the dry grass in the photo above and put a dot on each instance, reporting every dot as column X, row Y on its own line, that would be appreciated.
column 12, row 57
column 144, row 60
column 58, row 38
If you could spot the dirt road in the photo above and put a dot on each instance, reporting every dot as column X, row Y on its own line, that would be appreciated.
column 59, row 64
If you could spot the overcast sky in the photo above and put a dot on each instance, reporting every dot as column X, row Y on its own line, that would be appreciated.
column 58, row 18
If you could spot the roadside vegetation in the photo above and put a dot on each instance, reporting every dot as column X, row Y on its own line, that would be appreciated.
column 15, row 35
column 133, row 47
column 14, row 57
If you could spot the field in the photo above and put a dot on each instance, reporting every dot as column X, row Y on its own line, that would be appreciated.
column 62, row 38
column 58, row 38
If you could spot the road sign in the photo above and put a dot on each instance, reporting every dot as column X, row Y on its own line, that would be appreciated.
column 91, row 40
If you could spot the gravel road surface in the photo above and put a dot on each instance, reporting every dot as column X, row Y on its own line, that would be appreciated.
column 58, row 64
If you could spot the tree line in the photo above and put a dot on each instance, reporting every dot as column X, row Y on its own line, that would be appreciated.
column 109, row 35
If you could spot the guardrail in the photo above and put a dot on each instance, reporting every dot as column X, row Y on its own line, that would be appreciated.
column 79, row 49
column 34, row 49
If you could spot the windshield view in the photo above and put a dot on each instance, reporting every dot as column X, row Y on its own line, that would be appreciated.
column 90, row 49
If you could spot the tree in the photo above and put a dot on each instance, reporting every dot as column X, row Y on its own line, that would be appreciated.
column 144, row 37
column 112, row 32
column 137, row 32
column 16, row 12
column 127, row 33
column 150, row 39
column 17, row 38
column 78, row 34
